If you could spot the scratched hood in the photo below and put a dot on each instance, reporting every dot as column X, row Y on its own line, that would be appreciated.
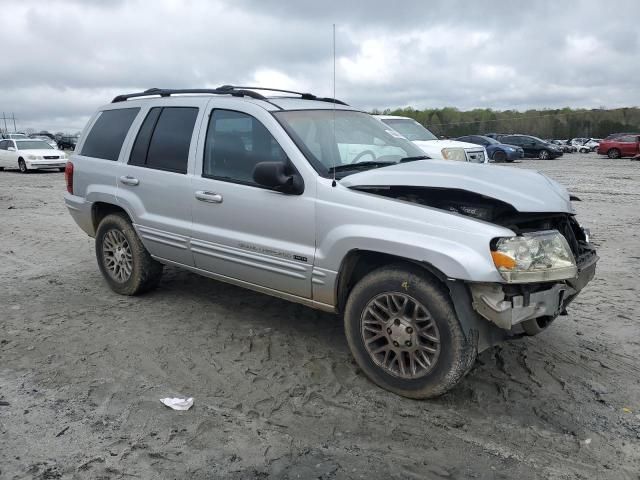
column 525, row 190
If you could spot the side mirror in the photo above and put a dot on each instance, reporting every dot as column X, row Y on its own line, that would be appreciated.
column 279, row 176
column 11, row 149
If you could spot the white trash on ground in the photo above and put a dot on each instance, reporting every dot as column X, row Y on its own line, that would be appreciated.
column 178, row 403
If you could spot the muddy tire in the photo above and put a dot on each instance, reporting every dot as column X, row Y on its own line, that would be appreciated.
column 124, row 262
column 614, row 153
column 404, row 334
column 536, row 325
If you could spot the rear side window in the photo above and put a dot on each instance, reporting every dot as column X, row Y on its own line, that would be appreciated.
column 164, row 139
column 108, row 133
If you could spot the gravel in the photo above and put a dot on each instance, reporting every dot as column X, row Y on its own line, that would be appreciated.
column 276, row 392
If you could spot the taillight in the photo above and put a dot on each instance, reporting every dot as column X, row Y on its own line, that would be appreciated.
column 68, row 177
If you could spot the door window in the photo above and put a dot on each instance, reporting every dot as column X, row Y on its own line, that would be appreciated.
column 3, row 145
column 235, row 143
column 164, row 139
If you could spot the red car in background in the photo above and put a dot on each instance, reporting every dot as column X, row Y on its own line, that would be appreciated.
column 627, row 145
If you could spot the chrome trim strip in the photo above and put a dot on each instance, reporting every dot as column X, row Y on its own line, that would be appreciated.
column 253, row 256
column 252, row 286
column 162, row 237
column 247, row 262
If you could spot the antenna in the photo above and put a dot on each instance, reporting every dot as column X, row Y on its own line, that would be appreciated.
column 333, row 183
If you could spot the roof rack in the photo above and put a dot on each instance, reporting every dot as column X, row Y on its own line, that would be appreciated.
column 224, row 90
column 303, row 96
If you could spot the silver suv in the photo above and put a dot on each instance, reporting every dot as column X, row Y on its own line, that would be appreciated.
column 310, row 200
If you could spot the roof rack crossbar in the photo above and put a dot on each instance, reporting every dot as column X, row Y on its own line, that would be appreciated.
column 233, row 90
column 303, row 95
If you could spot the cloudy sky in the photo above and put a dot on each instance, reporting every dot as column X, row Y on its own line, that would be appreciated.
column 62, row 59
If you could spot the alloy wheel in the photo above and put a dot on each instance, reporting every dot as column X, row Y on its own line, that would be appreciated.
column 400, row 335
column 116, row 255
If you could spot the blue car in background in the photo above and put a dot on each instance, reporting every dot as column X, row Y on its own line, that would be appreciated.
column 498, row 152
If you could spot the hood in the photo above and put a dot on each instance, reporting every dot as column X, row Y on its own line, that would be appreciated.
column 525, row 190
column 440, row 144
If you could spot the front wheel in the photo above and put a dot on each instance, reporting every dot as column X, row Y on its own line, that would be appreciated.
column 22, row 166
column 543, row 155
column 403, row 332
column 499, row 156
column 124, row 262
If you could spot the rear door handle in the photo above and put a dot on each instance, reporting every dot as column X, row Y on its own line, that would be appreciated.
column 209, row 197
column 128, row 180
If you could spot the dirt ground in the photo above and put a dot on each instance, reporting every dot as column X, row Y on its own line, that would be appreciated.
column 277, row 394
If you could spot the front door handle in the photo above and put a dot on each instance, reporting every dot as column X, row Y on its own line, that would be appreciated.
column 128, row 180
column 209, row 197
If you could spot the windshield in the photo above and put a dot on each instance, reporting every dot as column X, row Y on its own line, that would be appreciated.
column 411, row 129
column 33, row 145
column 356, row 140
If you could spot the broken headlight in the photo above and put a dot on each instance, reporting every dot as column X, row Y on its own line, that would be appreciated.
column 534, row 257
column 457, row 154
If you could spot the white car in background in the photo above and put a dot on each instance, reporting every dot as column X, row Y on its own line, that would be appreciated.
column 28, row 154
column 431, row 145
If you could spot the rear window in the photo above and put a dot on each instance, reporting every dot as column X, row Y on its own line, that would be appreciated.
column 108, row 133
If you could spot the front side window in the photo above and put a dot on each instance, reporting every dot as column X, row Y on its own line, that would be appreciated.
column 235, row 143
column 345, row 140
column 410, row 129
column 108, row 133
column 164, row 139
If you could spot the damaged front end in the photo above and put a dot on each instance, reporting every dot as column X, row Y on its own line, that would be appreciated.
column 533, row 305
column 524, row 303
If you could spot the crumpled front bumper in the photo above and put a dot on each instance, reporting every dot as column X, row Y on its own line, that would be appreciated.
column 492, row 303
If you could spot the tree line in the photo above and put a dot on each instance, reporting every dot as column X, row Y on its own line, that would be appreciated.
column 562, row 123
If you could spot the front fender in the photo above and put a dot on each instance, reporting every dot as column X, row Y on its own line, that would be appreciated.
column 469, row 261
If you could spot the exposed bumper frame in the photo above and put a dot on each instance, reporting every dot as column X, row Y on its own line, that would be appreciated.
column 490, row 301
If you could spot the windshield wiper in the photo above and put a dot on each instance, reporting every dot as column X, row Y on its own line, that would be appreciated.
column 413, row 159
column 356, row 166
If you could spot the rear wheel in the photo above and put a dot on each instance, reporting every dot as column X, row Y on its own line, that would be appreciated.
column 499, row 156
column 614, row 153
column 124, row 262
column 22, row 166
column 403, row 332
column 543, row 154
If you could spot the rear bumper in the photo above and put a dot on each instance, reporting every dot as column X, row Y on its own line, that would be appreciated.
column 81, row 212
column 506, row 311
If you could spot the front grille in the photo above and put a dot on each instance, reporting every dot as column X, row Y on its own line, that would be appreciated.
column 51, row 157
